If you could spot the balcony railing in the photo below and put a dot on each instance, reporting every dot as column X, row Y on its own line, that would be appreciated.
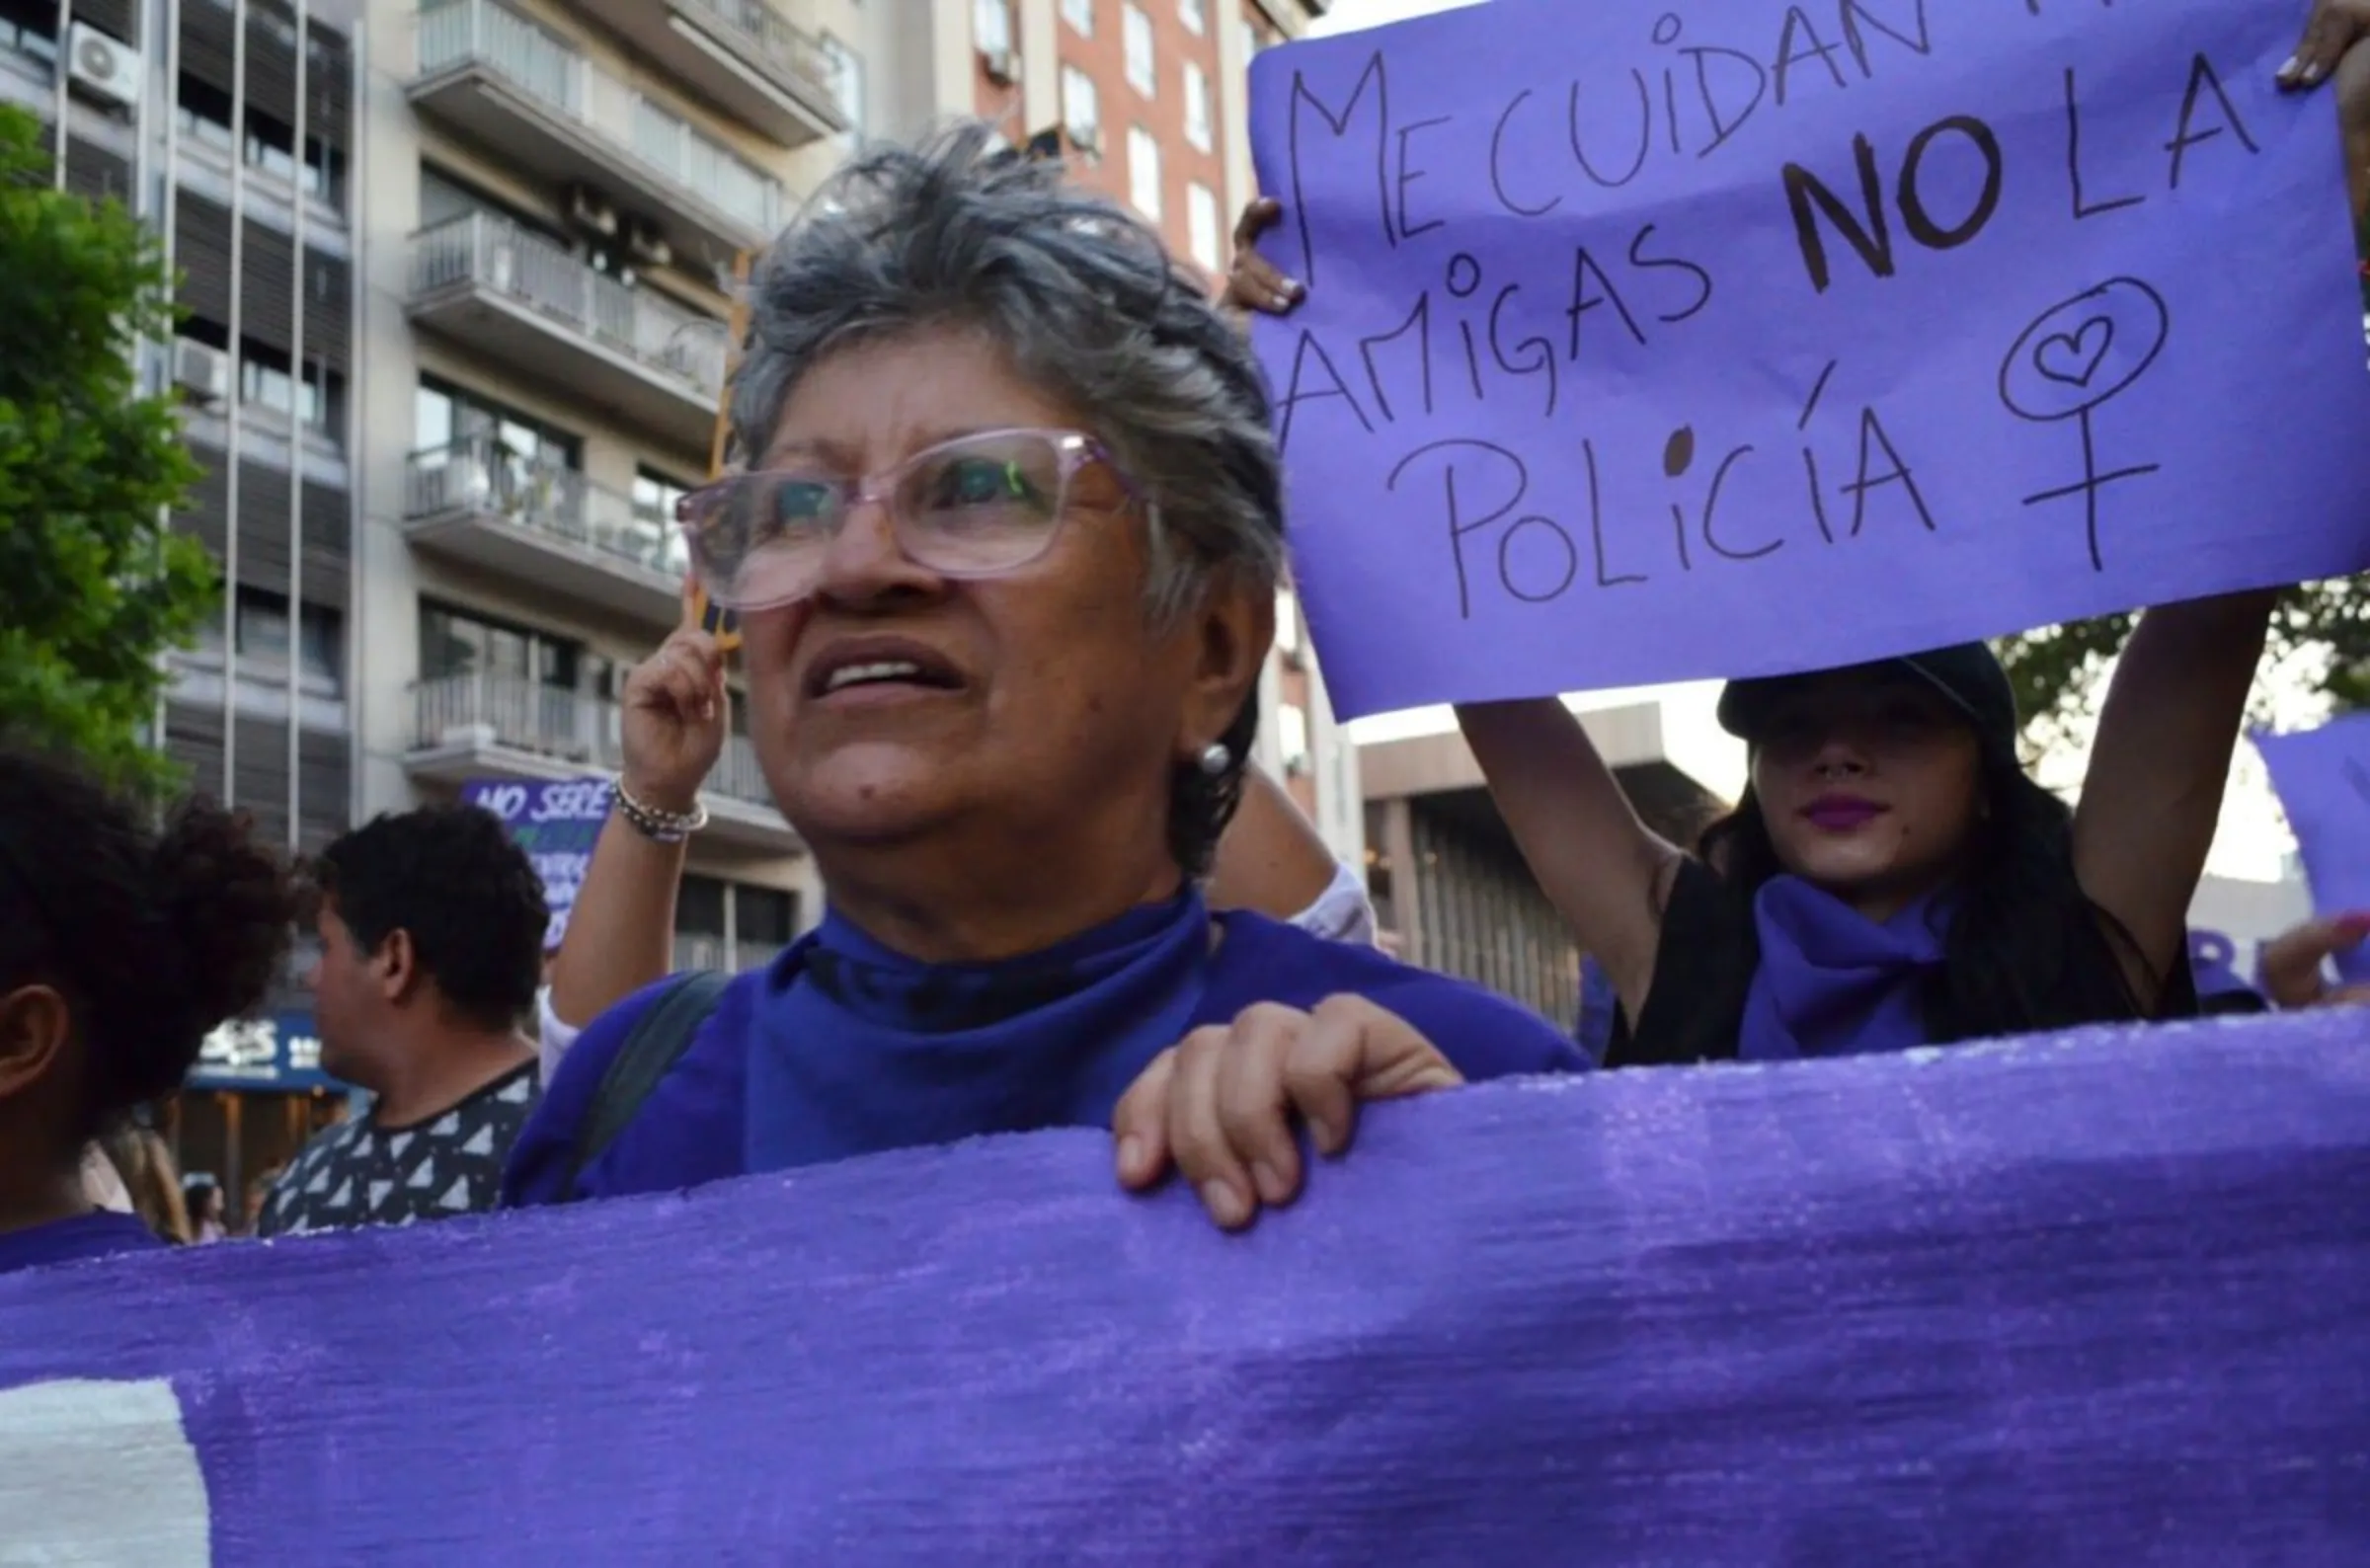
column 571, row 728
column 496, row 254
column 695, row 951
column 781, row 43
column 460, row 32
column 479, row 475
column 692, row 952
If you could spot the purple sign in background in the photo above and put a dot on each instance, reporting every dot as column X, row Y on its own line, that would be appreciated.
column 556, row 823
column 2323, row 777
column 1652, row 340
column 2097, row 1299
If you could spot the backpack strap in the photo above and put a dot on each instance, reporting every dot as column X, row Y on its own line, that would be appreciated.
column 652, row 1047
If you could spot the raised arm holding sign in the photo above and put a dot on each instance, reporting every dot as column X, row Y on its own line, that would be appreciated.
column 1648, row 343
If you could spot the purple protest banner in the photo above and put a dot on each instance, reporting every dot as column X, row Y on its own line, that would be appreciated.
column 1650, row 341
column 556, row 823
column 2101, row 1298
column 2322, row 778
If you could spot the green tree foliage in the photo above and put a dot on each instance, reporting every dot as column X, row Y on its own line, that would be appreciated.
column 93, row 587
column 2319, row 637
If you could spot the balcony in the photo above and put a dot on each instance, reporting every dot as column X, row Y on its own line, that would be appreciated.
column 742, row 55
column 693, row 951
column 510, row 85
column 546, row 527
column 526, row 303
column 504, row 727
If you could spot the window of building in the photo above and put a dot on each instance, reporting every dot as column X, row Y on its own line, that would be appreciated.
column 655, row 496
column 29, row 27
column 260, row 633
column 991, row 25
column 262, row 630
column 1082, row 108
column 267, row 381
column 699, row 906
column 1292, row 736
column 1288, row 623
column 443, row 198
column 765, row 918
column 1193, row 13
column 848, row 69
column 1144, row 171
column 444, row 416
column 203, row 116
column 1201, row 218
column 1198, row 128
column 1143, row 71
column 455, row 642
column 1079, row 13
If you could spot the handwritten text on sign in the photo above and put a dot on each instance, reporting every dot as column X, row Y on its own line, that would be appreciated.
column 1654, row 342
column 557, row 823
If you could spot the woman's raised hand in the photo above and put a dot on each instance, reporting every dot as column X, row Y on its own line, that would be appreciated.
column 1220, row 1107
column 1253, row 282
column 2294, row 962
column 675, row 716
column 2333, row 28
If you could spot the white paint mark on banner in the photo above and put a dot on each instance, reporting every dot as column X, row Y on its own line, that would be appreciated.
column 98, row 1474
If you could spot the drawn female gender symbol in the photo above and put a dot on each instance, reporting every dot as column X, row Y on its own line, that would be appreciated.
column 2074, row 359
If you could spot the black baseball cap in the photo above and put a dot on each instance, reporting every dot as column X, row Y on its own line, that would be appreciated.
column 1967, row 674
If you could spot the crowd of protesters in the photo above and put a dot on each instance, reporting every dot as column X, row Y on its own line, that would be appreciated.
column 1003, row 542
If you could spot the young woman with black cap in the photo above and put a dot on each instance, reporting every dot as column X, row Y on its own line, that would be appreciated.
column 1892, row 878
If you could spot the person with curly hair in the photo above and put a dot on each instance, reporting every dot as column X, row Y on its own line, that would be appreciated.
column 432, row 951
column 120, row 949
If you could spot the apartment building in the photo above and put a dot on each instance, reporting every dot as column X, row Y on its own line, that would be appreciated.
column 229, row 127
column 559, row 195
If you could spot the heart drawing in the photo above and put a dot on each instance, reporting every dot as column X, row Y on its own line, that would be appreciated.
column 2074, row 358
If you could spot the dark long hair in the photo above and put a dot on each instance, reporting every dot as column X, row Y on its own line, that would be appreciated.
column 2027, row 949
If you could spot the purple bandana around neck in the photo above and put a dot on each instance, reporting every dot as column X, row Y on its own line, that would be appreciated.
column 1833, row 983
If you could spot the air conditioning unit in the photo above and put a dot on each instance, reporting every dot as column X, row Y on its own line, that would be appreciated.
column 201, row 371
column 103, row 66
column 592, row 214
column 1002, row 67
column 1089, row 140
column 645, row 244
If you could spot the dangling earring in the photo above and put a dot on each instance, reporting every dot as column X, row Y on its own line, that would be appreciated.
column 1215, row 759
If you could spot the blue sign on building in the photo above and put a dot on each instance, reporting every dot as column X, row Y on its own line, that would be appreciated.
column 280, row 1053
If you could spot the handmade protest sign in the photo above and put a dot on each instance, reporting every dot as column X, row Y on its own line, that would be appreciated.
column 2322, row 778
column 556, row 823
column 2098, row 1299
column 1655, row 340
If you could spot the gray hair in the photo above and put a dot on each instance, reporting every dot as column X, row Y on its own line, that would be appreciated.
column 1091, row 309
column 1082, row 295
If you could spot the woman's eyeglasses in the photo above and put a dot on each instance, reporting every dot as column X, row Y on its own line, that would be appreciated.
column 977, row 506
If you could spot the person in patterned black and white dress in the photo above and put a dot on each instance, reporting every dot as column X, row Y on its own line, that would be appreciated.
column 431, row 949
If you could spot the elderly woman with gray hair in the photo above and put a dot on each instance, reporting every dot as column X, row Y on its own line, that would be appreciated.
column 1004, row 551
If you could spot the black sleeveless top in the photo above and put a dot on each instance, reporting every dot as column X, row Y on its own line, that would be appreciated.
column 1709, row 950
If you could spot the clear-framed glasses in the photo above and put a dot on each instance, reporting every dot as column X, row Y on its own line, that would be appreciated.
column 976, row 506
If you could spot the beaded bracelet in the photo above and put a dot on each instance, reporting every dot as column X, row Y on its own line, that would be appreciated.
column 665, row 828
